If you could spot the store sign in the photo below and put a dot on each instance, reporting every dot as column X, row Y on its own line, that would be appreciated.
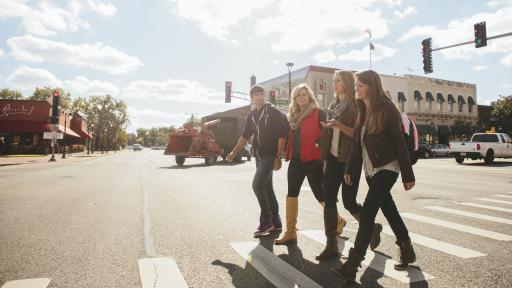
column 8, row 110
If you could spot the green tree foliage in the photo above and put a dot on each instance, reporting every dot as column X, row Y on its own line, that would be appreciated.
column 502, row 110
column 10, row 94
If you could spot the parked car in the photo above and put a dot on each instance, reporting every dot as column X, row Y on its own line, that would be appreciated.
column 440, row 150
column 487, row 146
column 424, row 149
column 137, row 147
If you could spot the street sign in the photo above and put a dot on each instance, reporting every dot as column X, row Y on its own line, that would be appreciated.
column 49, row 135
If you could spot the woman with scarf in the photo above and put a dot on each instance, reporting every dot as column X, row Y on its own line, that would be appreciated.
column 337, row 148
column 304, row 153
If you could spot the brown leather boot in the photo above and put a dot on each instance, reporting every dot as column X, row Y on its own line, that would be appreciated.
column 377, row 228
column 406, row 254
column 292, row 212
column 330, row 222
column 341, row 222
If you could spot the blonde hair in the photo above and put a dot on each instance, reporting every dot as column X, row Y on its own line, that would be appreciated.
column 348, row 80
column 294, row 106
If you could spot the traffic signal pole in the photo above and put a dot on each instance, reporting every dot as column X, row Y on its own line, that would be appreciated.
column 473, row 42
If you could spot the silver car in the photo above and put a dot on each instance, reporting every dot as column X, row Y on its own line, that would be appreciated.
column 440, row 150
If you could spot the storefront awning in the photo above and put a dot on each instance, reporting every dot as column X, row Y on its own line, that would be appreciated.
column 430, row 98
column 425, row 129
column 461, row 100
column 444, row 130
column 451, row 99
column 417, row 95
column 68, row 132
column 440, row 98
column 22, row 126
column 83, row 134
column 471, row 101
column 401, row 97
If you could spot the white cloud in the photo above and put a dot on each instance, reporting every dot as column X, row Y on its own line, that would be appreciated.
column 417, row 31
column 82, row 86
column 324, row 56
column 2, row 54
column 336, row 23
column 217, row 17
column 507, row 60
column 499, row 3
column 290, row 25
column 407, row 12
column 46, row 19
column 97, row 56
column 461, row 30
column 12, row 8
column 380, row 52
column 172, row 90
column 28, row 78
column 148, row 118
column 479, row 68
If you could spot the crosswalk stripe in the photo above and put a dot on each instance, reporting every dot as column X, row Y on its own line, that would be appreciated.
column 375, row 261
column 160, row 273
column 494, row 200
column 436, row 244
column 458, row 227
column 28, row 283
column 273, row 268
column 503, row 196
column 485, row 206
column 471, row 214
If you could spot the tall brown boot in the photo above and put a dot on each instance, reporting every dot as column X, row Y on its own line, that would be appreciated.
column 341, row 222
column 377, row 228
column 292, row 212
column 330, row 222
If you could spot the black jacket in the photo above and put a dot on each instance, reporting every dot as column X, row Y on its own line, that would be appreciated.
column 267, row 125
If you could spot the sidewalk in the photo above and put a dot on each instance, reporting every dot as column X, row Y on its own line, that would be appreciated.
column 22, row 160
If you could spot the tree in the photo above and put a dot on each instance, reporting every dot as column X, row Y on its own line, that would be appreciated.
column 10, row 94
column 44, row 93
column 461, row 128
column 502, row 110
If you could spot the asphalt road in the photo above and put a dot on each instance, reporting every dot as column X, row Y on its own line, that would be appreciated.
column 132, row 218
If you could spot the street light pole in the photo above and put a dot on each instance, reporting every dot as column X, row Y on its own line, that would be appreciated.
column 289, row 65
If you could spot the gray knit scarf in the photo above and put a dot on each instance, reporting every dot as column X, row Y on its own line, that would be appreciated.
column 337, row 107
column 300, row 115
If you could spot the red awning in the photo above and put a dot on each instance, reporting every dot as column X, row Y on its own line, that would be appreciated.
column 68, row 132
column 83, row 134
column 23, row 126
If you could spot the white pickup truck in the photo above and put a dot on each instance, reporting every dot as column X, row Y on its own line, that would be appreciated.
column 485, row 146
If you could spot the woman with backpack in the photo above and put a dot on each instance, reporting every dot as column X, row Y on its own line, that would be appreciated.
column 337, row 145
column 304, row 153
column 381, row 152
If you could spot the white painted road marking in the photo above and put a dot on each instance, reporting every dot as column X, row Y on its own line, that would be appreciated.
column 485, row 206
column 377, row 262
column 503, row 196
column 273, row 268
column 494, row 200
column 160, row 273
column 28, row 283
column 436, row 244
column 458, row 227
column 471, row 214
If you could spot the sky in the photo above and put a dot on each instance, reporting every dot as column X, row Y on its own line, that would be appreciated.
column 169, row 59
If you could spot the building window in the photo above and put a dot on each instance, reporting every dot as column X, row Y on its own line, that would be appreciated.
column 430, row 99
column 417, row 99
column 451, row 106
column 440, row 106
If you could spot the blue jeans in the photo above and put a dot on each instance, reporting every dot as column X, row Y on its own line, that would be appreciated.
column 263, row 187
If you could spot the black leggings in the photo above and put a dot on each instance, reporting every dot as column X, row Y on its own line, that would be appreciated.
column 379, row 197
column 298, row 170
column 334, row 178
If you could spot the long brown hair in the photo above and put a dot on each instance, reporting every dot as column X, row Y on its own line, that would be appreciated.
column 347, row 78
column 377, row 115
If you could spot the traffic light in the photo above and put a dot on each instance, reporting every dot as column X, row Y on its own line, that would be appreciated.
column 272, row 97
column 253, row 80
column 227, row 89
column 55, row 108
column 427, row 55
column 480, row 35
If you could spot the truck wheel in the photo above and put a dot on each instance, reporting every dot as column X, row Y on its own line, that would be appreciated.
column 249, row 158
column 238, row 158
column 459, row 159
column 180, row 160
column 489, row 157
column 209, row 160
